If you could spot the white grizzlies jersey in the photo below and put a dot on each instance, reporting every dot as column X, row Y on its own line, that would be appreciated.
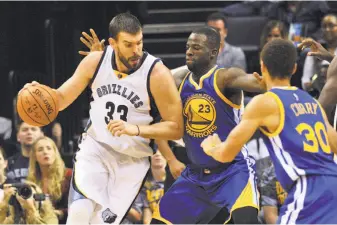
column 117, row 96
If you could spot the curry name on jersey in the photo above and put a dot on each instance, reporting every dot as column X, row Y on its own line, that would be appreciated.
column 299, row 147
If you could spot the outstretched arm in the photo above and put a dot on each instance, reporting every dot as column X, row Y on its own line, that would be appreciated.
column 76, row 84
column 238, row 79
column 328, row 96
column 332, row 134
column 257, row 114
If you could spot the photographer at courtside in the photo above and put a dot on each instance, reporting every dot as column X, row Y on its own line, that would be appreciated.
column 26, row 204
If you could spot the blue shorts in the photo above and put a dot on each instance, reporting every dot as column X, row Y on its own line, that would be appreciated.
column 312, row 200
column 199, row 194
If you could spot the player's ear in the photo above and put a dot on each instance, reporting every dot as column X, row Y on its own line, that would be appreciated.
column 226, row 33
column 214, row 53
column 112, row 42
column 263, row 67
column 294, row 69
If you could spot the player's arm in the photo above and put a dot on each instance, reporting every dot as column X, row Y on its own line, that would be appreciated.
column 328, row 96
column 176, row 167
column 238, row 79
column 168, row 101
column 257, row 111
column 75, row 85
column 332, row 134
column 179, row 74
column 270, row 214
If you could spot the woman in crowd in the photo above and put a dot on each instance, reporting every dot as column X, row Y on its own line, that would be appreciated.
column 3, row 167
column 312, row 65
column 47, row 169
column 273, row 29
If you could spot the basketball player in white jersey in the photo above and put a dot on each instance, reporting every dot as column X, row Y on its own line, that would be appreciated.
column 127, row 87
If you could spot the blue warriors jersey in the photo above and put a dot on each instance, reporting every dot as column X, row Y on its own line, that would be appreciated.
column 299, row 146
column 206, row 111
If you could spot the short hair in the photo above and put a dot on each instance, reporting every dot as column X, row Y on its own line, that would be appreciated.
column 217, row 16
column 213, row 36
column 20, row 122
column 279, row 56
column 124, row 22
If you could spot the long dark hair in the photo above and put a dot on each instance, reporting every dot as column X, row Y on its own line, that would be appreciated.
column 269, row 27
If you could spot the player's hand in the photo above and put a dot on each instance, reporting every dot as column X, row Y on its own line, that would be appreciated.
column 119, row 127
column 211, row 146
column 261, row 81
column 92, row 42
column 316, row 49
column 176, row 167
column 34, row 83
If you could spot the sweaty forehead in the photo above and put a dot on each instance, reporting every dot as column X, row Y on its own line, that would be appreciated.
column 200, row 39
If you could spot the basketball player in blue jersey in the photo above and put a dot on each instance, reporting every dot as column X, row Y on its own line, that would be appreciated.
column 212, row 100
column 298, row 136
column 129, row 87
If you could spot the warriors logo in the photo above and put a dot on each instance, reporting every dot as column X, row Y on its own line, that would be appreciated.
column 200, row 115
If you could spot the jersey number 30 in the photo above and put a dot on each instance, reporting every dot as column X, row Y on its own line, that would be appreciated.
column 315, row 137
column 121, row 109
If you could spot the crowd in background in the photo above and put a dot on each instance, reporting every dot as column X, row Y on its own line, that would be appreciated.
column 37, row 160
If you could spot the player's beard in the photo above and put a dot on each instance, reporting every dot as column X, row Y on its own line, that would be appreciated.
column 125, row 61
column 196, row 66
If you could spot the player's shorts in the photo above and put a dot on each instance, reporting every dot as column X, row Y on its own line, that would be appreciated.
column 312, row 200
column 111, row 179
column 199, row 194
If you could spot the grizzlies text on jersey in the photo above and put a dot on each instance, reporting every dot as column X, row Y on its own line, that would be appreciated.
column 118, row 96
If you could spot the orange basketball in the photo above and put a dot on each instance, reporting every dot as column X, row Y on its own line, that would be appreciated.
column 37, row 105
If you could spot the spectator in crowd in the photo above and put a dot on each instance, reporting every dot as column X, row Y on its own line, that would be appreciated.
column 47, row 170
column 18, row 164
column 306, row 13
column 312, row 65
column 54, row 130
column 154, row 186
column 3, row 167
column 229, row 55
column 273, row 29
column 247, row 8
column 318, row 80
column 277, row 29
column 135, row 214
column 30, row 211
column 272, row 193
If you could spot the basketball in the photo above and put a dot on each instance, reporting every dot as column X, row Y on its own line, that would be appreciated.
column 37, row 105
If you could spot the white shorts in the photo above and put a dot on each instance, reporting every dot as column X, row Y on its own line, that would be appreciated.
column 110, row 179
